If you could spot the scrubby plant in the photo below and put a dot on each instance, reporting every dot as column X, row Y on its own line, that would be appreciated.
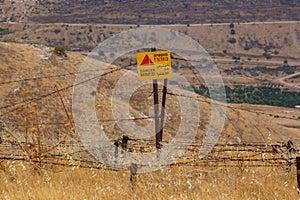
column 34, row 142
column 56, row 31
column 246, row 47
column 60, row 50
column 232, row 40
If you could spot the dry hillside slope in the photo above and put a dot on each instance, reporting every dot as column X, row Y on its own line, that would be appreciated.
column 36, row 69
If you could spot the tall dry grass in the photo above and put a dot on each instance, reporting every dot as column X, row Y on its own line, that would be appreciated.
column 20, row 181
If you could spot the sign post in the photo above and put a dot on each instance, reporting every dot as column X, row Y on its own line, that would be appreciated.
column 156, row 65
column 163, row 106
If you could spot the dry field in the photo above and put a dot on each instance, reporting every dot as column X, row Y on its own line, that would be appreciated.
column 222, row 180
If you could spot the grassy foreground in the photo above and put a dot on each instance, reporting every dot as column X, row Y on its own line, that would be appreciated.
column 20, row 181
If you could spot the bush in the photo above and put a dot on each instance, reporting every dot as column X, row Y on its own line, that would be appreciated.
column 236, row 58
column 60, row 50
column 246, row 48
column 232, row 40
column 232, row 31
column 4, row 31
column 101, row 53
column 231, row 25
column 267, row 56
column 56, row 31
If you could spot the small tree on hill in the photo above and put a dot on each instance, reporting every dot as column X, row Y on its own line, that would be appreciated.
column 232, row 40
column 60, row 50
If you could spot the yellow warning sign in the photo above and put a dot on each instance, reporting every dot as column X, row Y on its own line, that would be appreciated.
column 154, row 65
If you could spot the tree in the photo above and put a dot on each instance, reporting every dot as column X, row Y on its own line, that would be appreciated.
column 60, row 50
column 231, row 25
column 232, row 40
column 232, row 31
column 56, row 31
column 246, row 47
column 267, row 55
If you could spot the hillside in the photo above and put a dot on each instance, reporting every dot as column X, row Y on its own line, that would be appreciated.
column 37, row 70
column 153, row 12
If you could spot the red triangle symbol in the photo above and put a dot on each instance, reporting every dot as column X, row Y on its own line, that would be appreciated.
column 147, row 61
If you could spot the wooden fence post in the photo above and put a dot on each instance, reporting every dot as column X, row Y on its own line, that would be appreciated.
column 133, row 170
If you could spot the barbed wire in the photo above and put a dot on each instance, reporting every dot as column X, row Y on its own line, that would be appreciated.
column 58, row 159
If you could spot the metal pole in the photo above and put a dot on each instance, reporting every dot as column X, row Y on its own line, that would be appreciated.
column 156, row 111
column 162, row 115
column 298, row 172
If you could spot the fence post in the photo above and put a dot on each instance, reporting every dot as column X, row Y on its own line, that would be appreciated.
column 116, row 143
column 133, row 170
column 298, row 172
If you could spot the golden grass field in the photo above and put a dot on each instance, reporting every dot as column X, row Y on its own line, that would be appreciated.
column 20, row 181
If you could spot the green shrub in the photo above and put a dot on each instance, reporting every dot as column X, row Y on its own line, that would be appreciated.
column 56, row 31
column 4, row 31
column 101, row 53
column 232, row 40
column 60, row 50
column 267, row 56
column 246, row 48
column 236, row 58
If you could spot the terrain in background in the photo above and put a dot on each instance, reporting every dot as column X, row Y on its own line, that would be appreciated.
column 154, row 12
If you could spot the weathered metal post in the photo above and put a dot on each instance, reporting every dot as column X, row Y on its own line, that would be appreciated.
column 298, row 172
column 156, row 111
column 156, row 117
column 162, row 113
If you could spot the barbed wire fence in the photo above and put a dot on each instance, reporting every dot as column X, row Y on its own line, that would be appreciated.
column 260, row 154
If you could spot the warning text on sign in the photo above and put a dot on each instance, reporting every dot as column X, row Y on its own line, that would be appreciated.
column 154, row 65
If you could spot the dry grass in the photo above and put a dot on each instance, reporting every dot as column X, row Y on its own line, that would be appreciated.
column 20, row 181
